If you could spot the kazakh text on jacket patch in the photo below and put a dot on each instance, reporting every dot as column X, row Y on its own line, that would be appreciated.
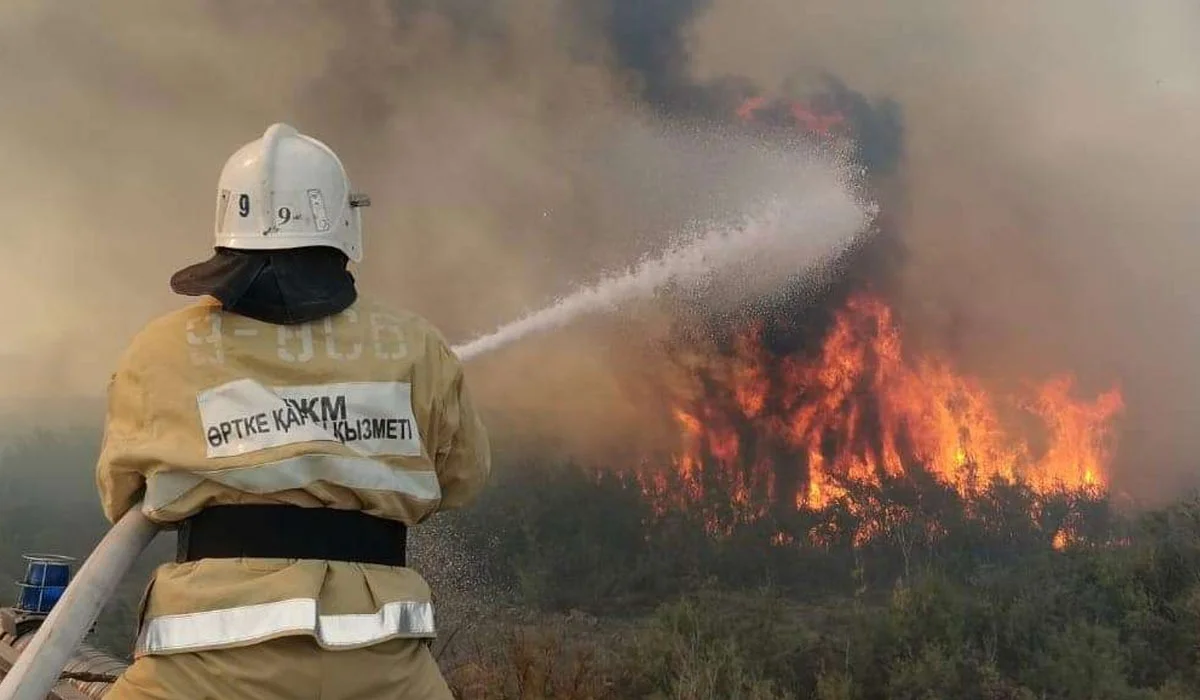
column 371, row 418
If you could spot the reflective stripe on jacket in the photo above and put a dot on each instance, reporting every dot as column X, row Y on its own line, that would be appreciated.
column 365, row 410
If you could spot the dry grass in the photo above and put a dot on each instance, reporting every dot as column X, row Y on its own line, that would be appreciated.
column 533, row 663
column 682, row 653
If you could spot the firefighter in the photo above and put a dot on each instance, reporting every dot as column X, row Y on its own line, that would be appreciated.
column 291, row 432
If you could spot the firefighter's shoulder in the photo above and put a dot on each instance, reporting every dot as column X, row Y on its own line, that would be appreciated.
column 194, row 321
column 416, row 327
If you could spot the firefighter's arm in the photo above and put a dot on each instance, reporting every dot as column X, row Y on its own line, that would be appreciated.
column 463, row 458
column 118, row 477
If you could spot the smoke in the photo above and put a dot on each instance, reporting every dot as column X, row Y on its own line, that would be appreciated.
column 1044, row 195
column 649, row 42
column 1049, row 214
column 1044, row 201
column 507, row 159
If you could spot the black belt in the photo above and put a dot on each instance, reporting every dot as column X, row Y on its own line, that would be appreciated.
column 291, row 532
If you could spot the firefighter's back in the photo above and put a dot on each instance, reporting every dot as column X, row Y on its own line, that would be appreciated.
column 291, row 431
column 354, row 401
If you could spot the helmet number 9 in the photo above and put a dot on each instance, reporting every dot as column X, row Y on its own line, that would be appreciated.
column 244, row 205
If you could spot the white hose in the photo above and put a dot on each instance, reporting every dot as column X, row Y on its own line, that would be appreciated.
column 43, row 659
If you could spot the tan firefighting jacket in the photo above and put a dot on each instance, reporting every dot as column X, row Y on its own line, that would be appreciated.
column 364, row 410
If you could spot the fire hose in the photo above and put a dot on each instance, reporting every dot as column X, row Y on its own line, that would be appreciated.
column 41, row 663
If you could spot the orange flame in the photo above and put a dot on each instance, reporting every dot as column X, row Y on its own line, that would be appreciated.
column 803, row 116
column 860, row 409
column 746, row 111
column 816, row 123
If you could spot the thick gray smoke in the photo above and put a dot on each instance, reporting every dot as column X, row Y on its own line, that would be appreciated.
column 515, row 151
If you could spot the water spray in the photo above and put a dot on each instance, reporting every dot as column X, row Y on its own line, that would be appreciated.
column 796, row 235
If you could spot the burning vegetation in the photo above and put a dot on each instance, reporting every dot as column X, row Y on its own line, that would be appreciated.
column 816, row 118
column 829, row 430
column 803, row 431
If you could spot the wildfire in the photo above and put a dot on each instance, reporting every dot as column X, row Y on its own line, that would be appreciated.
column 765, row 430
column 806, row 118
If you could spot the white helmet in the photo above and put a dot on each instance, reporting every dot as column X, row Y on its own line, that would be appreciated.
column 287, row 190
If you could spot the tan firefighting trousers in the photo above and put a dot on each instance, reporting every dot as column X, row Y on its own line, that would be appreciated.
column 287, row 668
